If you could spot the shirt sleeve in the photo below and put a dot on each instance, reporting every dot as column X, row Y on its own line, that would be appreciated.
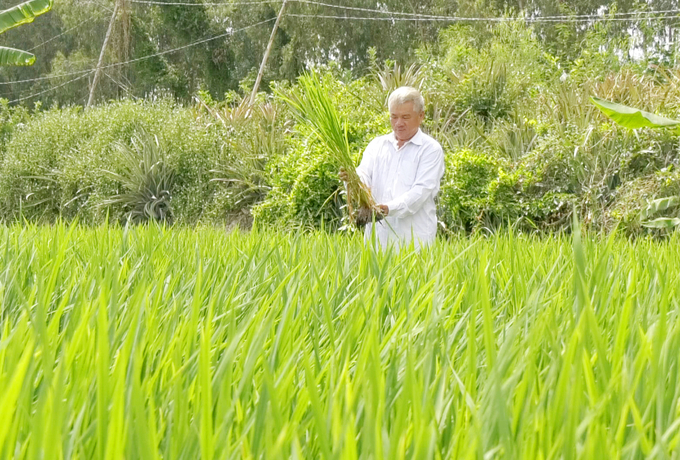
column 365, row 168
column 425, row 186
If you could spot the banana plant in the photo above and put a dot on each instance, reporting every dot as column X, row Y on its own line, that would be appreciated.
column 633, row 118
column 657, row 206
column 13, row 17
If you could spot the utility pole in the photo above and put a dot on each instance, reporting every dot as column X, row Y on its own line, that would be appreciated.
column 266, row 53
column 98, row 72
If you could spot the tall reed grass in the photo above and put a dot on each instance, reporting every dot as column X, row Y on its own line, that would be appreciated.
column 175, row 343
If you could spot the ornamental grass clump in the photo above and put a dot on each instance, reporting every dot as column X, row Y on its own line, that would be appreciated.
column 146, row 179
column 311, row 105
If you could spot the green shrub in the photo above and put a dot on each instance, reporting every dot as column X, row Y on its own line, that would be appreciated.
column 253, row 137
column 600, row 54
column 490, row 74
column 54, row 165
column 631, row 199
column 11, row 118
column 147, row 180
column 464, row 195
column 305, row 188
column 32, row 182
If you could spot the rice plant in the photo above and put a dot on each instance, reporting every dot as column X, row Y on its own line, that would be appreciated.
column 150, row 342
column 312, row 105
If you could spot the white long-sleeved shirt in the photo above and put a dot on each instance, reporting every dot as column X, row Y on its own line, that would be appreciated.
column 407, row 180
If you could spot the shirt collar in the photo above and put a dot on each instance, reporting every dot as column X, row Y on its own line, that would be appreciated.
column 417, row 139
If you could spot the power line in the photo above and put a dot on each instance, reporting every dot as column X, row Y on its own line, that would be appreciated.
column 50, row 89
column 306, row 2
column 494, row 19
column 613, row 15
column 88, row 72
column 28, row 80
column 561, row 18
column 59, row 35
column 216, row 37
column 460, row 19
column 161, row 53
column 44, row 43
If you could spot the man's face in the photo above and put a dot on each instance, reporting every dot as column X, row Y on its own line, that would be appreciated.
column 405, row 121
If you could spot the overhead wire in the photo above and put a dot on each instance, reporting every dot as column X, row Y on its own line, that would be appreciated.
column 47, row 77
column 44, row 43
column 161, row 53
column 49, row 89
column 199, row 42
column 387, row 16
column 443, row 19
column 84, row 73
column 555, row 18
column 71, row 29
column 492, row 19
column 59, row 35
column 239, row 3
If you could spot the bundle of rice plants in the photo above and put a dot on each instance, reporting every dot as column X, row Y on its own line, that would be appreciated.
column 311, row 104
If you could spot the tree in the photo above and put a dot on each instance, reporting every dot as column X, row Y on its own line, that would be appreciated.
column 21, row 14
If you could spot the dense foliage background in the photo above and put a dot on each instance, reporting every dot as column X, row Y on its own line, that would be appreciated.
column 178, row 141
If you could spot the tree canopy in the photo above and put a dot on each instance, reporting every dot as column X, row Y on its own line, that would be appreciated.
column 220, row 43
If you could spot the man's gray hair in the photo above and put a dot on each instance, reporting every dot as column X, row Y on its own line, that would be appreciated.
column 405, row 94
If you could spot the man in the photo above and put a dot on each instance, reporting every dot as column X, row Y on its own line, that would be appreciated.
column 403, row 170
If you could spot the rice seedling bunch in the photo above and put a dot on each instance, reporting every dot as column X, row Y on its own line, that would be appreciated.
column 312, row 105
column 149, row 342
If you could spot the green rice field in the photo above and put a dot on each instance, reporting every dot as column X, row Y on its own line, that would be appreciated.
column 149, row 343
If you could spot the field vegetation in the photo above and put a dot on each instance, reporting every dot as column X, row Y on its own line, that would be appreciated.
column 149, row 342
column 524, row 144
column 543, row 324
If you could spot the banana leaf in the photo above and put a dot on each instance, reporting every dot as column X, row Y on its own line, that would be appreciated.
column 662, row 222
column 659, row 205
column 632, row 118
column 11, row 56
column 23, row 13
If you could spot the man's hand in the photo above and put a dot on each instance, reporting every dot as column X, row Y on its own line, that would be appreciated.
column 365, row 215
column 343, row 175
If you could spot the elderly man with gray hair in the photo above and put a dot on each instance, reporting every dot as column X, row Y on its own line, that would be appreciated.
column 403, row 170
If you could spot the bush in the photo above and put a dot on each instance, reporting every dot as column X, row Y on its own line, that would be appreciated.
column 54, row 166
column 147, row 180
column 308, row 200
column 254, row 136
column 634, row 197
column 464, row 196
column 523, row 143
column 489, row 74
column 11, row 118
